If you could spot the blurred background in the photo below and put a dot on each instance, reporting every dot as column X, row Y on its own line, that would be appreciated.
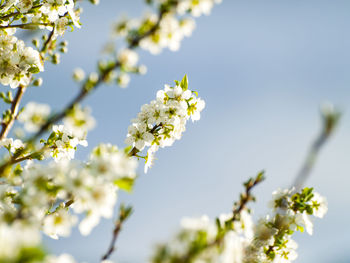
column 263, row 68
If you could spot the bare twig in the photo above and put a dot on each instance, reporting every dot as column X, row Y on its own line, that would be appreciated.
column 330, row 118
column 124, row 214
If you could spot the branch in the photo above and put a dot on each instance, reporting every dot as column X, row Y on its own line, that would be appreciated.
column 238, row 207
column 246, row 197
column 124, row 214
column 330, row 118
column 24, row 26
column 17, row 13
column 6, row 126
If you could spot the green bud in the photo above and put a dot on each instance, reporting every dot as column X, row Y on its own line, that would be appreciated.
column 38, row 82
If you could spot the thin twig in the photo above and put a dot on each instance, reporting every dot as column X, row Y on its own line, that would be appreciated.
column 124, row 214
column 330, row 118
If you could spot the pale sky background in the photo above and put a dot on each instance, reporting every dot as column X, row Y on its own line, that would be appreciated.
column 263, row 68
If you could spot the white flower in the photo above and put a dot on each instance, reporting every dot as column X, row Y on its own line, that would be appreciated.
column 138, row 136
column 11, row 145
column 15, row 237
column 150, row 158
column 128, row 58
column 34, row 116
column 56, row 8
column 64, row 258
column 78, row 74
column 123, row 80
column 305, row 220
column 197, row 7
column 233, row 249
column 112, row 164
column 65, row 143
column 319, row 205
column 60, row 26
column 98, row 201
column 59, row 223
column 79, row 121
column 202, row 223
column 16, row 67
column 25, row 5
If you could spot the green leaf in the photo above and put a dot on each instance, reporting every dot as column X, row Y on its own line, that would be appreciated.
column 184, row 83
column 34, row 70
column 125, row 184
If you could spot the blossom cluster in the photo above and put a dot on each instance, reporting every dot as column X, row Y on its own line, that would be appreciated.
column 201, row 234
column 34, row 115
column 292, row 211
column 170, row 28
column 232, row 239
column 17, row 61
column 46, row 195
column 163, row 120
column 155, row 31
column 46, row 13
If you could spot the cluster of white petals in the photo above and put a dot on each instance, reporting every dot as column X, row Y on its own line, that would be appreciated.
column 234, row 242
column 163, row 121
column 34, row 116
column 196, row 7
column 11, row 145
column 79, row 121
column 63, row 143
column 17, row 61
column 237, row 239
column 15, row 239
column 171, row 28
column 292, row 212
column 49, row 194
column 169, row 35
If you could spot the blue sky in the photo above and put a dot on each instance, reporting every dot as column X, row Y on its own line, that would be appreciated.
column 263, row 68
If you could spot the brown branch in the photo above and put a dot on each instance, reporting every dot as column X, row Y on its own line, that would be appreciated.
column 247, row 196
column 6, row 126
column 124, row 214
column 17, row 13
column 238, row 207
column 48, row 41
column 28, row 25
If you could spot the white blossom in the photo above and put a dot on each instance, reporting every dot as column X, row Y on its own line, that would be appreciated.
column 34, row 116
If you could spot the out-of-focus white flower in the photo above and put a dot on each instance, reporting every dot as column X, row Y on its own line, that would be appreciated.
column 34, row 116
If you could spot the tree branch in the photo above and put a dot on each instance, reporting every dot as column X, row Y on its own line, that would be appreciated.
column 330, row 118
column 6, row 126
column 124, row 214
column 28, row 25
